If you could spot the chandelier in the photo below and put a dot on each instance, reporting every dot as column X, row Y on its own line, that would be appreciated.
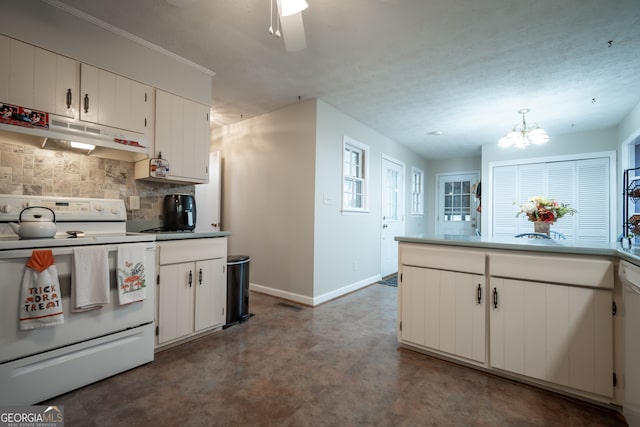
column 521, row 136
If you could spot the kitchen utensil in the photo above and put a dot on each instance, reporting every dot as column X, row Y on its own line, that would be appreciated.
column 34, row 226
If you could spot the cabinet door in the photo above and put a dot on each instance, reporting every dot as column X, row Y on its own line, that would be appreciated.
column 36, row 78
column 44, row 83
column 67, row 87
column 129, row 111
column 196, row 138
column 440, row 310
column 507, row 327
column 182, row 136
column 5, row 68
column 561, row 334
column 139, row 94
column 112, row 100
column 21, row 73
column 53, row 76
column 412, row 301
column 211, row 294
column 89, row 93
column 470, row 316
column 175, row 301
column 169, row 134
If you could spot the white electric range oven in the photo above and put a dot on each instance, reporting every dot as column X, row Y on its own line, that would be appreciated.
column 41, row 363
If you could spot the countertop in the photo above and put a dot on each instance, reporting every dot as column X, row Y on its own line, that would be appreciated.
column 631, row 254
column 136, row 227
column 181, row 235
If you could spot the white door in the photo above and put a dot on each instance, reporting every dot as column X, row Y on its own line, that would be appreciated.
column 208, row 198
column 392, row 214
column 456, row 208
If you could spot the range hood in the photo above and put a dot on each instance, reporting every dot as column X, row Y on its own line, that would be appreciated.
column 109, row 143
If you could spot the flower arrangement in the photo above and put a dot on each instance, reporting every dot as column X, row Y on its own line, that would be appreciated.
column 539, row 208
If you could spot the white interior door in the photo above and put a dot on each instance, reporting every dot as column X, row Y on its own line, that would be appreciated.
column 456, row 209
column 392, row 214
column 208, row 198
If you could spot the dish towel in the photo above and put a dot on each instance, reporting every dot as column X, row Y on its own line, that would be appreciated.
column 132, row 286
column 89, row 278
column 40, row 302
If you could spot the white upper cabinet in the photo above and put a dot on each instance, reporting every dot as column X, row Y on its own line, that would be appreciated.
column 5, row 69
column 182, row 137
column 36, row 78
column 112, row 100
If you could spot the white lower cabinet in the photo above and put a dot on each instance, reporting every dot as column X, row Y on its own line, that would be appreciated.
column 552, row 332
column 192, row 288
column 444, row 311
column 546, row 319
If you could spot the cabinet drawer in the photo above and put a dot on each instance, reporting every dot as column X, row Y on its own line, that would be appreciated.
column 442, row 258
column 192, row 250
column 597, row 273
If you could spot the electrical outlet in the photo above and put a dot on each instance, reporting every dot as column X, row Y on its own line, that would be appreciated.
column 134, row 203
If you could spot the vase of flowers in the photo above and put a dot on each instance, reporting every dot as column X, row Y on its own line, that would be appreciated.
column 543, row 212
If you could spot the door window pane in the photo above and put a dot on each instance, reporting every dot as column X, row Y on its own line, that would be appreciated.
column 457, row 201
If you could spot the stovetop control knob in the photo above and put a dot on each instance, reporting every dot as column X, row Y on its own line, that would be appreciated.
column 115, row 210
column 99, row 207
column 6, row 208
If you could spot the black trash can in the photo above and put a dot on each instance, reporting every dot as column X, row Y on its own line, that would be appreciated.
column 237, row 289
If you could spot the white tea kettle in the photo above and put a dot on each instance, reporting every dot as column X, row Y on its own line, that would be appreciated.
column 34, row 226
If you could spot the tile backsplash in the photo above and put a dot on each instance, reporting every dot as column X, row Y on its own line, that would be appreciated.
column 29, row 170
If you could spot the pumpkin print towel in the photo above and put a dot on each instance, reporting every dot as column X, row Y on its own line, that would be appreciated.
column 40, row 300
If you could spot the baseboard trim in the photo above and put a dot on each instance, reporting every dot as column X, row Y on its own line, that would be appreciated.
column 313, row 301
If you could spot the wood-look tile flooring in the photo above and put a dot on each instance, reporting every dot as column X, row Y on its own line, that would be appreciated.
column 337, row 364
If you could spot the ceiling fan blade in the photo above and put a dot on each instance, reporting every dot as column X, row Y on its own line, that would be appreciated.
column 292, row 30
column 181, row 3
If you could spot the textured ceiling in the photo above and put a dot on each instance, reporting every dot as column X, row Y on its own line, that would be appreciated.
column 410, row 67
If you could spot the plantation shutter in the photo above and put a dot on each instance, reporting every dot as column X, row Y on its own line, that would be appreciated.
column 593, row 201
column 561, row 186
column 582, row 184
column 532, row 182
column 504, row 193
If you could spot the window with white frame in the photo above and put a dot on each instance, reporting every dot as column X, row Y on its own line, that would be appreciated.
column 417, row 191
column 355, row 171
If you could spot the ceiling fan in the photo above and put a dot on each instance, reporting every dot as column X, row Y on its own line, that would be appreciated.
column 289, row 18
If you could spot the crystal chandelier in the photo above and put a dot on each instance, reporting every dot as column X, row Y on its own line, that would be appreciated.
column 521, row 136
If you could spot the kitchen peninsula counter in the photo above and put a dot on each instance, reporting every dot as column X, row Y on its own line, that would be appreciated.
column 542, row 246
column 539, row 311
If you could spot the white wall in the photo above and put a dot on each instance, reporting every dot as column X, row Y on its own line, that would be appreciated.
column 268, row 196
column 282, row 182
column 436, row 167
column 40, row 24
column 629, row 128
column 341, row 240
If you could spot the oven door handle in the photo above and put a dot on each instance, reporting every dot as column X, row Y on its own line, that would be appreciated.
column 67, row 250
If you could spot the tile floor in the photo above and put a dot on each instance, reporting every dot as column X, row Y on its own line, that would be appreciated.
column 334, row 365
